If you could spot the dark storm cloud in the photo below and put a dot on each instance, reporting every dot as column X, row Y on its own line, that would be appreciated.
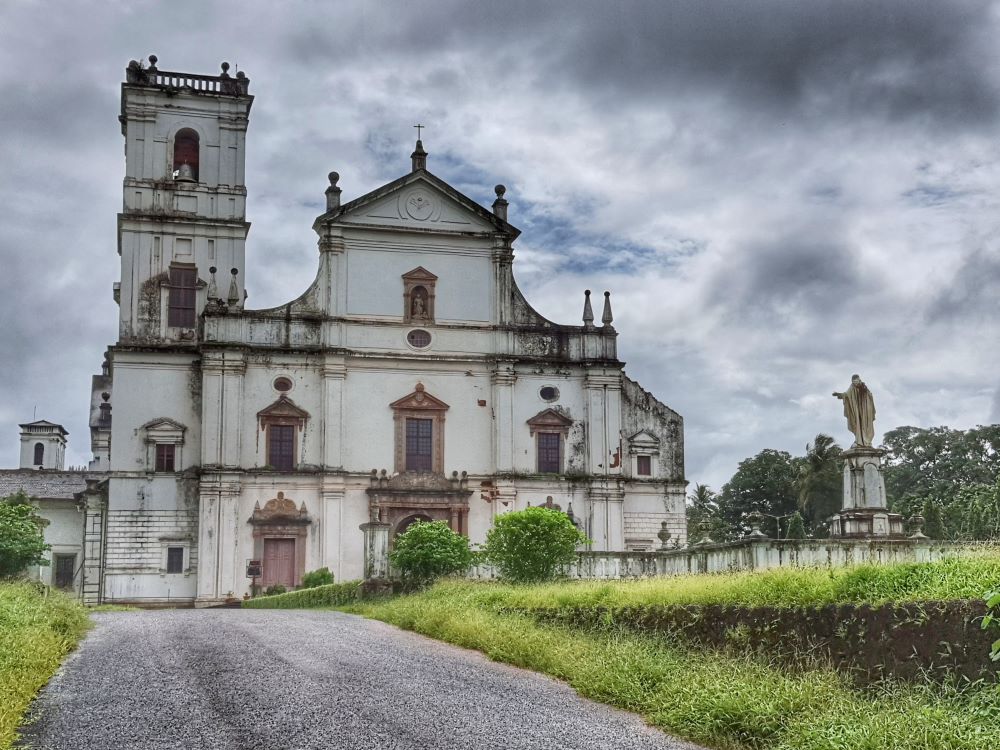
column 968, row 288
column 893, row 59
column 802, row 275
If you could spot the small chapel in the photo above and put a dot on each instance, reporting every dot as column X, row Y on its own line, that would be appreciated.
column 410, row 381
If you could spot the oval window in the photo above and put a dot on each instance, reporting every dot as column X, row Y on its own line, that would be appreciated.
column 282, row 384
column 549, row 393
column 418, row 338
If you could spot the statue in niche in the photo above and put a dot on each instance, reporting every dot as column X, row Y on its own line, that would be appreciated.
column 418, row 304
column 859, row 408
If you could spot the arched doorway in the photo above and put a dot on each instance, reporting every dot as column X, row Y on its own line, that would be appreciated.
column 407, row 522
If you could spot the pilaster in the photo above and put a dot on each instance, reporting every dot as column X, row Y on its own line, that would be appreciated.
column 334, row 374
column 503, row 379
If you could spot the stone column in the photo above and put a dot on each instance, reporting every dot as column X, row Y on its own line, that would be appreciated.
column 208, row 543
column 332, row 503
column 376, row 550
column 334, row 372
column 503, row 380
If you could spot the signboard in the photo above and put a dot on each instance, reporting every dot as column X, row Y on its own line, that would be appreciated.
column 254, row 569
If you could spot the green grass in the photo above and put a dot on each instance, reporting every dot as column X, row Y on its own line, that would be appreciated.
column 720, row 700
column 960, row 577
column 36, row 634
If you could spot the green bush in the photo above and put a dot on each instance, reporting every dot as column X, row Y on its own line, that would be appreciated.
column 314, row 578
column 332, row 595
column 429, row 550
column 21, row 540
column 992, row 620
column 275, row 590
column 533, row 544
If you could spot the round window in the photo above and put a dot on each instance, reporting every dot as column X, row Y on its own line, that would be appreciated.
column 418, row 338
column 282, row 384
column 549, row 393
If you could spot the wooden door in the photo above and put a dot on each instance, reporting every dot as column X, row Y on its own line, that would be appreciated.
column 65, row 567
column 279, row 562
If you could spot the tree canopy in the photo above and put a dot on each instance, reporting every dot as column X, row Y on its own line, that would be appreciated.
column 21, row 540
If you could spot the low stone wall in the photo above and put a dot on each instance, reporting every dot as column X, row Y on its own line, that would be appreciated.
column 747, row 554
column 908, row 641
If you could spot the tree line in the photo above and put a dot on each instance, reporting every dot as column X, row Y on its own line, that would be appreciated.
column 949, row 477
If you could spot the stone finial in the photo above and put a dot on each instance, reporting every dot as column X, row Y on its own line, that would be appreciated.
column 588, row 311
column 419, row 157
column 607, row 318
column 756, row 519
column 213, row 287
column 153, row 59
column 225, row 70
column 664, row 535
column 500, row 204
column 705, row 527
column 234, row 289
column 569, row 513
column 333, row 192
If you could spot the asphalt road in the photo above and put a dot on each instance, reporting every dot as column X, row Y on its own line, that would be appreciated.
column 226, row 679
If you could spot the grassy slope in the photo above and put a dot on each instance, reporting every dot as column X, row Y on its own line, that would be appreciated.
column 967, row 577
column 36, row 634
column 713, row 698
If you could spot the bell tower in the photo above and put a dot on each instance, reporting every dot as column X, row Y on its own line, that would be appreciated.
column 183, row 220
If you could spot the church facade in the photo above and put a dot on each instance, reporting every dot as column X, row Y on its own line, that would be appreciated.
column 411, row 380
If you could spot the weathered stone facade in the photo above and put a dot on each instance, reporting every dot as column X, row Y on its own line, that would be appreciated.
column 411, row 380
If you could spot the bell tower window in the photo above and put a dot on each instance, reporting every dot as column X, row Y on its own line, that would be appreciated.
column 181, row 303
column 186, row 155
column 39, row 454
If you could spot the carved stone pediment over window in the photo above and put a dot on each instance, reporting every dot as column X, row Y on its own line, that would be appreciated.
column 280, row 511
column 644, row 443
column 164, row 430
column 418, row 296
column 549, row 420
column 284, row 411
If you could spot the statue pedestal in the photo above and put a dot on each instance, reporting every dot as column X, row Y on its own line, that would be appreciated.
column 864, row 513
column 376, row 550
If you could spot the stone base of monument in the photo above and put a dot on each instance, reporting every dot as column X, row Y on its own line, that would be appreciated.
column 866, row 523
column 864, row 513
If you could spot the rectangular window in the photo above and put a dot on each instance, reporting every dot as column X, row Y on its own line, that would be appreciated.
column 643, row 466
column 181, row 303
column 281, row 446
column 165, row 456
column 419, row 444
column 548, row 452
column 175, row 559
column 65, row 567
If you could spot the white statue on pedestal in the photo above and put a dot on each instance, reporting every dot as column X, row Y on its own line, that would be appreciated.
column 859, row 408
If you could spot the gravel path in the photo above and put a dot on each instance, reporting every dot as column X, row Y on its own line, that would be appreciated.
column 222, row 679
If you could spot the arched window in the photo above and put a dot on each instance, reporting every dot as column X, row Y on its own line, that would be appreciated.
column 186, row 155
column 39, row 454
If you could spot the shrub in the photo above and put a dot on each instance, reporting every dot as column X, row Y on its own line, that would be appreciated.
column 275, row 590
column 992, row 620
column 532, row 544
column 333, row 595
column 314, row 578
column 21, row 540
column 430, row 550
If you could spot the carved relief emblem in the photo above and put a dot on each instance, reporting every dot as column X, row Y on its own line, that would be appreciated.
column 419, row 205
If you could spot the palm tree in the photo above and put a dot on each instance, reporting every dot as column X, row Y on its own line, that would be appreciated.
column 819, row 482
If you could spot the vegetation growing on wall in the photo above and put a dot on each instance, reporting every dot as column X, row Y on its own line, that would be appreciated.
column 37, row 631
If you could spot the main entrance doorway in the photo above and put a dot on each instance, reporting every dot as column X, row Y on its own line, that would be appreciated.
column 279, row 562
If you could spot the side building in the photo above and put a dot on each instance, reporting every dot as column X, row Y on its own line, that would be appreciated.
column 411, row 380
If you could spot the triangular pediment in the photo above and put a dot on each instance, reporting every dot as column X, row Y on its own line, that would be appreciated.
column 644, row 437
column 419, row 274
column 163, row 424
column 419, row 200
column 283, row 408
column 549, row 419
column 420, row 400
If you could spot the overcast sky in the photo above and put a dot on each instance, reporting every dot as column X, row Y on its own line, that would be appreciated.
column 777, row 194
